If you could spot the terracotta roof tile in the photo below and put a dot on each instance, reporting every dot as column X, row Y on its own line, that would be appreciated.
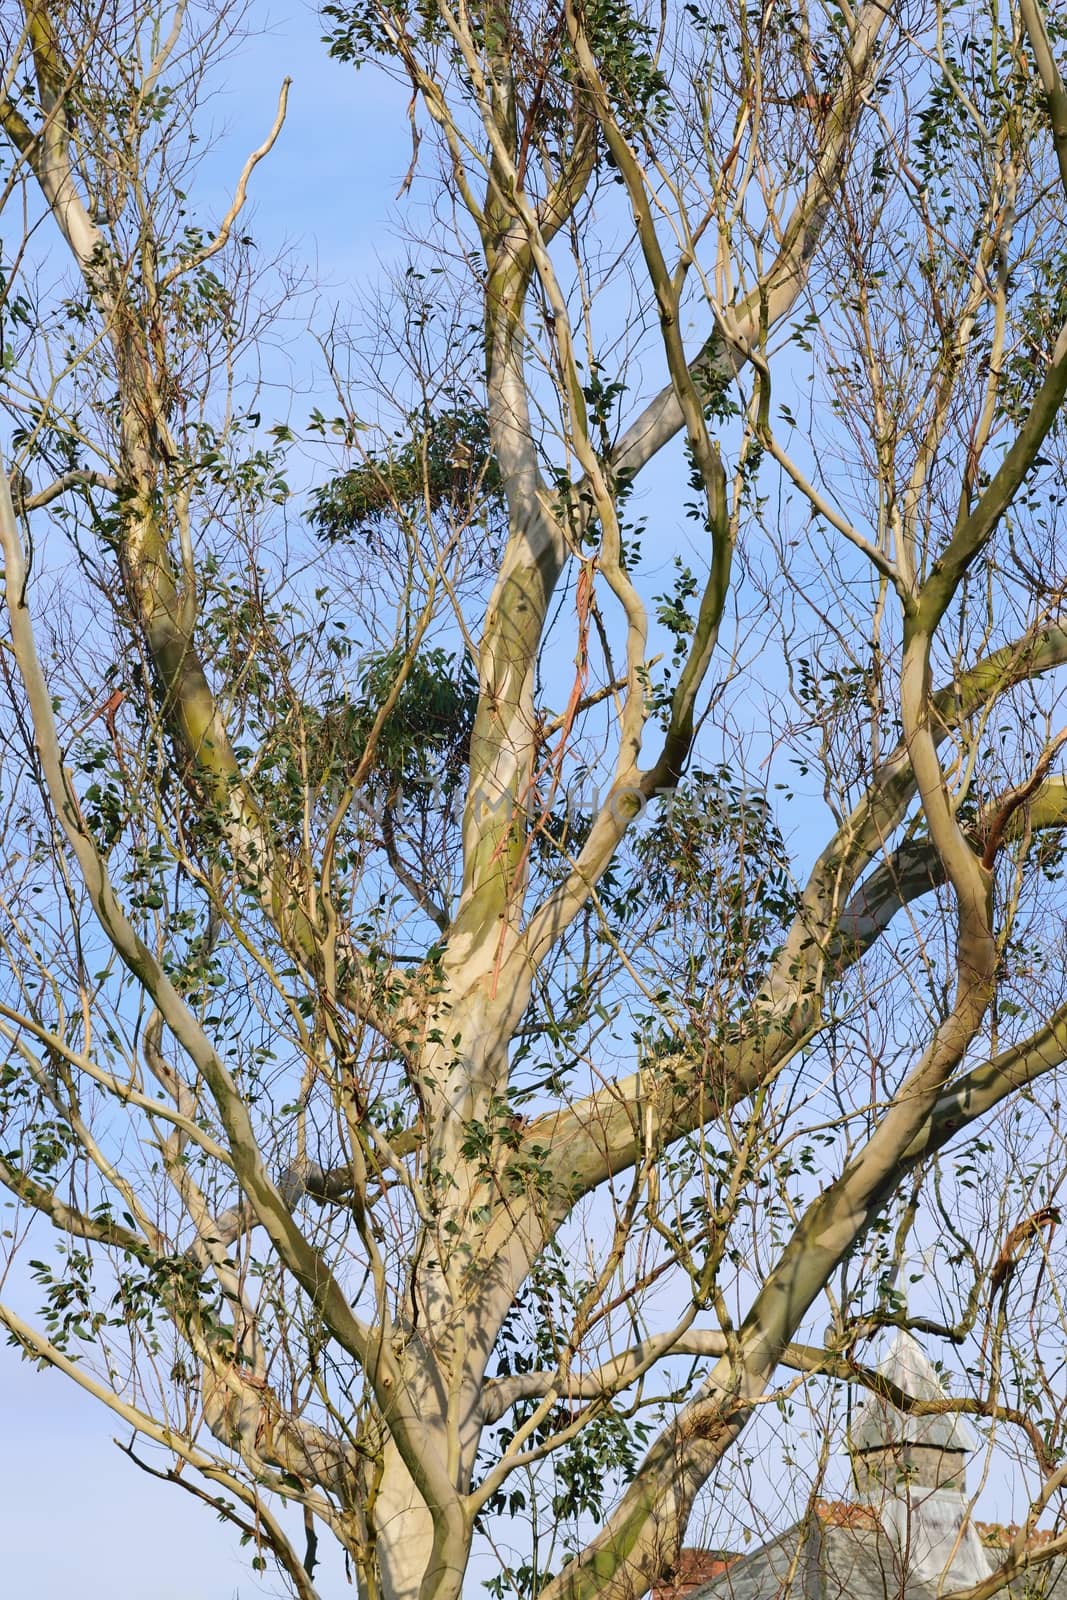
column 999, row 1535
column 693, row 1568
column 843, row 1514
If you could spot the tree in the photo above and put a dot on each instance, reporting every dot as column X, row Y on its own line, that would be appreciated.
column 471, row 1017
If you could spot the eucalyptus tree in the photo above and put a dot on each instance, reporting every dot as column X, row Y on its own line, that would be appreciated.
column 471, row 1012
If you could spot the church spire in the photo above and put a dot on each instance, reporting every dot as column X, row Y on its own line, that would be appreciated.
column 890, row 1447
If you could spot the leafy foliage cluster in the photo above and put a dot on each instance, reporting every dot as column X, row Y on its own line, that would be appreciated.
column 446, row 463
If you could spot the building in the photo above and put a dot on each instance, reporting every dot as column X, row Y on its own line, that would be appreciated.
column 907, row 1535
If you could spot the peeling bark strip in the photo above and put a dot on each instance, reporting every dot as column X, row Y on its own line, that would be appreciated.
column 401, row 1083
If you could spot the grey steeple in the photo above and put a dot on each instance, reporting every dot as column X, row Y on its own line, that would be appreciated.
column 889, row 1446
